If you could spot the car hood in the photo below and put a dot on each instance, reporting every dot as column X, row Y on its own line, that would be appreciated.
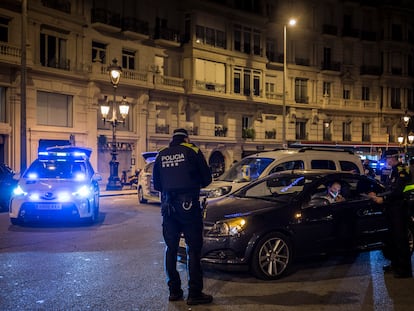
column 232, row 206
column 45, row 185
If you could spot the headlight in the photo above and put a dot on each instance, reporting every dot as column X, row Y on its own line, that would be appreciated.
column 19, row 191
column 229, row 227
column 218, row 192
column 83, row 191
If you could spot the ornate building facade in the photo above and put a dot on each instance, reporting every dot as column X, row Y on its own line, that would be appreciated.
column 214, row 67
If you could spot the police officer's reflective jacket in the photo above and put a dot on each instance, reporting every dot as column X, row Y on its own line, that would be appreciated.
column 181, row 168
column 396, row 184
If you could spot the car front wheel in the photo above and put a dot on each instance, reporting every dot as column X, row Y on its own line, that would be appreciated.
column 272, row 257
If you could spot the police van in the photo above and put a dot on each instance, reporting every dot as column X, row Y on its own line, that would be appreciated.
column 265, row 163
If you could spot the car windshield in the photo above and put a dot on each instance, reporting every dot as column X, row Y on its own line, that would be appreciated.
column 56, row 169
column 276, row 187
column 247, row 169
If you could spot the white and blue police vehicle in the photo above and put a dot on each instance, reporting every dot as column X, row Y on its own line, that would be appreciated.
column 60, row 185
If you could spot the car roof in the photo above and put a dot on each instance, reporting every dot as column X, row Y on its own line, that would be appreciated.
column 149, row 156
column 65, row 152
column 278, row 152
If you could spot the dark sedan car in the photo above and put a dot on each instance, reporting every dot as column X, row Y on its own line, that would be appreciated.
column 7, row 184
column 271, row 222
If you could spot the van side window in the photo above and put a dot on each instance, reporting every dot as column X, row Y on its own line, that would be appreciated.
column 347, row 166
column 288, row 166
column 323, row 165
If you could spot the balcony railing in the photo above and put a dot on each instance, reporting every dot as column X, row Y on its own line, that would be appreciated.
column 9, row 50
column 333, row 66
column 350, row 32
column 369, row 35
column 104, row 16
column 366, row 138
column 270, row 134
column 135, row 25
column 220, row 131
column 370, row 70
column 346, row 137
column 302, row 61
column 329, row 29
column 63, row 6
column 162, row 129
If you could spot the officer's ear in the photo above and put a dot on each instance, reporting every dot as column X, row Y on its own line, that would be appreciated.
column 186, row 139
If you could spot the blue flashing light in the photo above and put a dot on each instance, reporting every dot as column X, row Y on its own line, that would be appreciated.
column 83, row 191
column 32, row 176
column 19, row 191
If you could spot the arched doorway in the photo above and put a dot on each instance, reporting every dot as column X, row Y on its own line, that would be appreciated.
column 217, row 164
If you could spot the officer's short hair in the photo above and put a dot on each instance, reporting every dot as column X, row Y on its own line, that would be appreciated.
column 180, row 133
column 391, row 153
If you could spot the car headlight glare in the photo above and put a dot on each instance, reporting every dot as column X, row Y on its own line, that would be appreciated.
column 218, row 192
column 229, row 227
column 83, row 191
column 19, row 191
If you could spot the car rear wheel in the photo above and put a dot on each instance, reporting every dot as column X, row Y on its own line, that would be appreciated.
column 272, row 257
column 15, row 221
column 141, row 196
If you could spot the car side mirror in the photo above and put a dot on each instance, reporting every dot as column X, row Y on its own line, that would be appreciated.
column 97, row 177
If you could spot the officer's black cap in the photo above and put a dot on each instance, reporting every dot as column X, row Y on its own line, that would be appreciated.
column 391, row 153
column 180, row 133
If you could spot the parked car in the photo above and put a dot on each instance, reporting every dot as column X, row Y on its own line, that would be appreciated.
column 262, row 164
column 7, row 184
column 267, row 225
column 59, row 185
column 145, row 187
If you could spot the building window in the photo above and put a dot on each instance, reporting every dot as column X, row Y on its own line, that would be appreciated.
column 54, row 109
column 53, row 51
column 4, row 29
column 301, row 129
column 326, row 89
column 327, row 135
column 366, row 132
column 346, row 93
column 247, row 38
column 128, row 59
column 271, row 50
column 346, row 131
column 301, row 91
column 410, row 99
column 365, row 93
column 98, row 52
column 247, row 127
column 395, row 98
column 210, row 36
column 251, row 79
column 2, row 104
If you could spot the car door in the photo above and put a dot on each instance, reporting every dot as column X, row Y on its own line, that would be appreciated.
column 316, row 227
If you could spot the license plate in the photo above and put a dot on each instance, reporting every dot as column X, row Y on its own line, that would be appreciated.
column 182, row 243
column 49, row 206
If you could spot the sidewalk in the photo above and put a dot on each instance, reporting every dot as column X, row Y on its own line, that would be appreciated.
column 111, row 193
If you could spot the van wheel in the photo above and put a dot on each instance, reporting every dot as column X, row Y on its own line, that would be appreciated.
column 141, row 196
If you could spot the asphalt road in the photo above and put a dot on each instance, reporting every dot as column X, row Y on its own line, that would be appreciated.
column 117, row 264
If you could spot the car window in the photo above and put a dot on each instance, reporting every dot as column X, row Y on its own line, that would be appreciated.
column 55, row 169
column 323, row 165
column 277, row 186
column 348, row 166
column 247, row 169
column 288, row 166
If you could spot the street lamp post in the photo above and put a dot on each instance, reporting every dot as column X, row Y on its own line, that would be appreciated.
column 114, row 70
column 407, row 138
column 284, row 141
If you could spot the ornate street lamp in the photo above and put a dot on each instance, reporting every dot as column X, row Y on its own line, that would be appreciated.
column 115, row 71
column 292, row 22
column 408, row 138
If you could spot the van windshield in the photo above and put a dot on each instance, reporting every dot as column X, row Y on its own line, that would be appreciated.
column 247, row 169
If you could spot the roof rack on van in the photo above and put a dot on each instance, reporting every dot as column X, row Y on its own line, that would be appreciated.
column 304, row 149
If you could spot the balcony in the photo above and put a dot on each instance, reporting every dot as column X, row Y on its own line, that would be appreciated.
column 366, row 138
column 167, row 37
column 162, row 129
column 134, row 28
column 220, row 131
column 370, row 70
column 331, row 66
column 368, row 35
column 63, row 6
column 248, row 133
column 350, row 32
column 329, row 30
column 105, row 20
column 10, row 53
column 347, row 137
column 270, row 134
column 62, row 63
column 302, row 61
column 327, row 136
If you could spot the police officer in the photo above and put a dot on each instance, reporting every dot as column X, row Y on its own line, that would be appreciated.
column 396, row 209
column 179, row 172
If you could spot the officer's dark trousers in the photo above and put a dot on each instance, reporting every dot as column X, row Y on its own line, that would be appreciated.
column 400, row 256
column 190, row 223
